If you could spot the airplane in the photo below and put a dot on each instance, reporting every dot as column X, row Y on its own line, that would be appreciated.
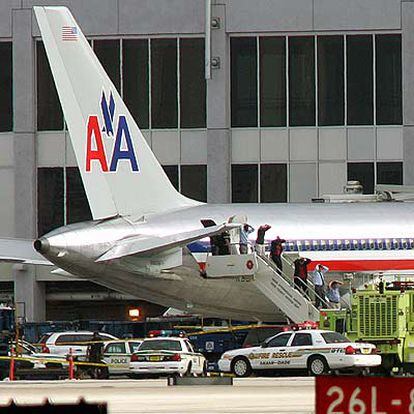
column 146, row 239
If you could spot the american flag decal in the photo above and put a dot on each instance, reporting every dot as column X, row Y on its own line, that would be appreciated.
column 69, row 33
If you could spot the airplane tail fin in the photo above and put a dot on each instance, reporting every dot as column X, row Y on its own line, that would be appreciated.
column 120, row 173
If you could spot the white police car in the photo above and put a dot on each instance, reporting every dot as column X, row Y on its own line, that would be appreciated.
column 117, row 354
column 318, row 351
column 166, row 356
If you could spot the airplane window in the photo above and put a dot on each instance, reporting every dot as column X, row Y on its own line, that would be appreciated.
column 323, row 245
column 363, row 244
column 347, row 244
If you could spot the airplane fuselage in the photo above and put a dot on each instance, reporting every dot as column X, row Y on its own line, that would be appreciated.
column 342, row 236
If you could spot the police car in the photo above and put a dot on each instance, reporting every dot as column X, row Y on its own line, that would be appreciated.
column 318, row 351
column 117, row 354
column 166, row 356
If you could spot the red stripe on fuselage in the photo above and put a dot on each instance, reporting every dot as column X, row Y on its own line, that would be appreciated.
column 364, row 265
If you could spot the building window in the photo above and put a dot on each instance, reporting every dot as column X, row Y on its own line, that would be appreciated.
column 390, row 173
column 243, row 82
column 388, row 79
column 172, row 173
column 330, row 80
column 273, row 183
column 272, row 81
column 49, row 111
column 49, row 199
column 135, row 74
column 359, row 80
column 244, row 183
column 108, row 54
column 52, row 212
column 77, row 205
column 364, row 173
column 192, row 84
column 164, row 106
column 6, row 87
column 301, row 81
column 194, row 181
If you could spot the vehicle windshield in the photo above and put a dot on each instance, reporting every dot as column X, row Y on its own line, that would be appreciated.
column 334, row 338
column 160, row 345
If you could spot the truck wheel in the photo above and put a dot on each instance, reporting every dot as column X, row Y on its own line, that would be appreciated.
column 317, row 365
column 241, row 367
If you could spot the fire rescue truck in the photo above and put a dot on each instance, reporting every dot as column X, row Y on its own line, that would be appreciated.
column 384, row 316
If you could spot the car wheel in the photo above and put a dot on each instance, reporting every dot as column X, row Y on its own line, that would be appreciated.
column 317, row 365
column 241, row 367
column 188, row 372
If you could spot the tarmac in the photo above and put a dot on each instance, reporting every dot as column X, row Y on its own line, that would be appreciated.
column 246, row 395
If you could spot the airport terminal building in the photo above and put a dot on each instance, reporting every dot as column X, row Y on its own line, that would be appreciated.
column 260, row 101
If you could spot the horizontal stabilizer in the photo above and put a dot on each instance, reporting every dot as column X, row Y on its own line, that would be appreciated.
column 21, row 251
column 152, row 244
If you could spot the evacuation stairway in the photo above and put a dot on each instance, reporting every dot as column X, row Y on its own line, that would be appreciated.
column 275, row 285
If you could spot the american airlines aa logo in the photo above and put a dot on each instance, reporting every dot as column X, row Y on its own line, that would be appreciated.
column 123, row 148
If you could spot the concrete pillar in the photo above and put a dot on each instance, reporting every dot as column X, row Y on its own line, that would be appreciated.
column 407, row 11
column 27, row 289
column 218, row 115
column 24, row 124
column 29, row 294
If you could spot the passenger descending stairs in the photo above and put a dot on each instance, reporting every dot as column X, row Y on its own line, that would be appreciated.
column 279, row 288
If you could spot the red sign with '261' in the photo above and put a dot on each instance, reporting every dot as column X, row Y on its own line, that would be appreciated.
column 364, row 395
